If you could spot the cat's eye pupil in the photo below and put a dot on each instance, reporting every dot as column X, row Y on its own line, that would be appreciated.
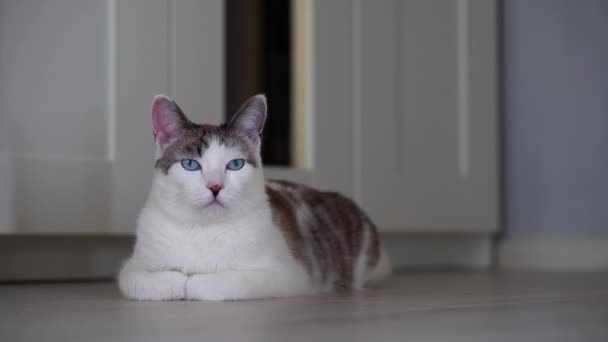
column 235, row 164
column 190, row 164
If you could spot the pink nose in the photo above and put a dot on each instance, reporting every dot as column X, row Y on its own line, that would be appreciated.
column 215, row 188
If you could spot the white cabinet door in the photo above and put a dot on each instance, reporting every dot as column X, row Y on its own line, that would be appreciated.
column 400, row 107
column 6, row 177
column 428, row 117
column 77, row 80
column 53, row 106
column 161, row 46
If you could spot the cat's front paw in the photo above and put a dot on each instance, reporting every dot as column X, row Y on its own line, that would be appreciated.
column 144, row 285
column 210, row 286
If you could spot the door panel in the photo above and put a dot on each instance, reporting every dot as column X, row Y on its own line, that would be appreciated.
column 400, row 107
column 171, row 47
column 53, row 96
column 78, row 78
column 429, row 115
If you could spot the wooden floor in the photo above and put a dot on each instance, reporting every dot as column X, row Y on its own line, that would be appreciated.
column 410, row 307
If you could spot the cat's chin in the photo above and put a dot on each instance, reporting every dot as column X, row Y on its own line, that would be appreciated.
column 214, row 204
column 213, row 208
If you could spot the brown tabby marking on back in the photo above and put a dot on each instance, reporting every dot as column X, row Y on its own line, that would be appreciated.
column 284, row 215
column 325, row 231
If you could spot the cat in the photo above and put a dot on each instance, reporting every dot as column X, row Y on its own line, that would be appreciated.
column 214, row 229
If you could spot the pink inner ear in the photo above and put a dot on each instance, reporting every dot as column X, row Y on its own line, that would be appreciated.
column 249, row 120
column 163, row 113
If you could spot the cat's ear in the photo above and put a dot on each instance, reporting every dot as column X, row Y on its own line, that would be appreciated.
column 168, row 120
column 249, row 119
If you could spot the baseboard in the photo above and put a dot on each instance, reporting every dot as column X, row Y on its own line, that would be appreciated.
column 553, row 254
column 62, row 257
column 434, row 251
column 88, row 257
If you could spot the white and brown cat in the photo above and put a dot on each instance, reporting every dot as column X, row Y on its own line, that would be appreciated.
column 214, row 229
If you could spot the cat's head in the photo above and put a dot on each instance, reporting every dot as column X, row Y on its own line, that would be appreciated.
column 207, row 171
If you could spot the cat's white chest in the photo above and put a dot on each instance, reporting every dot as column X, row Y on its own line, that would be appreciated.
column 205, row 249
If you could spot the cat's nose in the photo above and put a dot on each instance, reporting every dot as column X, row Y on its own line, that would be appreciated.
column 215, row 188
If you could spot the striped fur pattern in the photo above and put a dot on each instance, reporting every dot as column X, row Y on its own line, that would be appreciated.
column 334, row 239
column 214, row 232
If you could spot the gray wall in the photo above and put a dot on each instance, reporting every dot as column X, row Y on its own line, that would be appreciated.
column 556, row 117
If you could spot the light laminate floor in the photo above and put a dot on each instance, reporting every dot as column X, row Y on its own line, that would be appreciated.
column 410, row 307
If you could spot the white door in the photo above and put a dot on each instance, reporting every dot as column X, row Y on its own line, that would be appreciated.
column 6, row 176
column 428, row 115
column 78, row 78
column 399, row 107
column 405, row 111
column 53, row 96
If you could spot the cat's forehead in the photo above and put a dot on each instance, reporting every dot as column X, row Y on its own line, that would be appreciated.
column 217, row 154
column 194, row 142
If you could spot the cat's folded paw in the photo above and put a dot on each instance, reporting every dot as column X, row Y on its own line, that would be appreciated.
column 143, row 285
column 208, row 287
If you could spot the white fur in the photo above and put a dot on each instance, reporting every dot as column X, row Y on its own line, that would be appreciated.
column 383, row 269
column 185, row 250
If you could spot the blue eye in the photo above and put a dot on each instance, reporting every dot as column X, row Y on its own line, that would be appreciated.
column 190, row 164
column 235, row 164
